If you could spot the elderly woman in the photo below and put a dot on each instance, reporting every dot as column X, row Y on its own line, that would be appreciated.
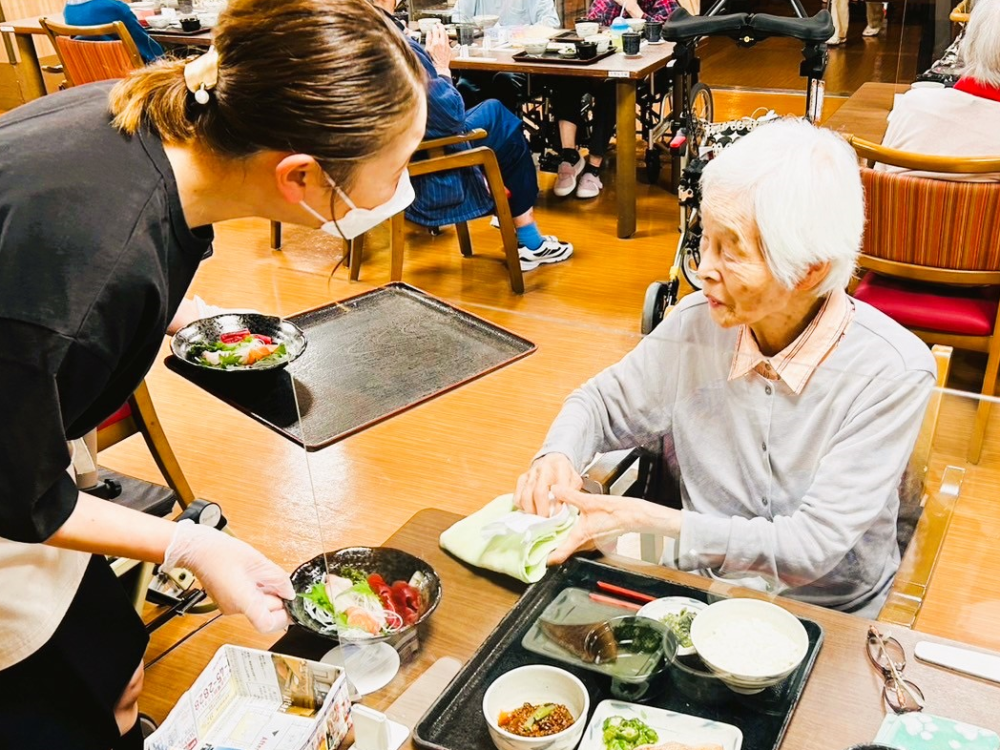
column 965, row 120
column 786, row 409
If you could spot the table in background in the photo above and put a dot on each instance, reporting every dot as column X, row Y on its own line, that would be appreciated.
column 841, row 704
column 30, row 69
column 627, row 72
column 864, row 113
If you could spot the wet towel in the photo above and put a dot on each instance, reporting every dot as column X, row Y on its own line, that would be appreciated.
column 503, row 539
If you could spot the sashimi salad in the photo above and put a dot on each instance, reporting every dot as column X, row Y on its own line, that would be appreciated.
column 239, row 349
column 354, row 605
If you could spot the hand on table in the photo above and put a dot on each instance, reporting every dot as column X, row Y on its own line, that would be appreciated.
column 438, row 46
column 534, row 486
column 237, row 577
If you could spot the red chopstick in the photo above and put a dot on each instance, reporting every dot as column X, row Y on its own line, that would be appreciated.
column 627, row 593
column 615, row 602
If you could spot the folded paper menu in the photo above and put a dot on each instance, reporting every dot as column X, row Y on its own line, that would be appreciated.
column 503, row 539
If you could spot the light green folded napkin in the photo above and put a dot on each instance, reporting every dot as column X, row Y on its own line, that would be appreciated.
column 505, row 540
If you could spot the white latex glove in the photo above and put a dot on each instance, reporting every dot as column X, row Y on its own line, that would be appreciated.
column 206, row 310
column 191, row 310
column 237, row 577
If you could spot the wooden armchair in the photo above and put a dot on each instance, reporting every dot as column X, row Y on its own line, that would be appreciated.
column 932, row 254
column 138, row 415
column 439, row 161
column 88, row 60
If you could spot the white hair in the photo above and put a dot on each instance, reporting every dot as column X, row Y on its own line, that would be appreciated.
column 981, row 44
column 801, row 186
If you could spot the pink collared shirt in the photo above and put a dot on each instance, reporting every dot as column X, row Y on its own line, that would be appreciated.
column 796, row 363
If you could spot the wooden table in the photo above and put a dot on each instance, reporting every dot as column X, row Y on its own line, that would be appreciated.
column 627, row 72
column 864, row 113
column 30, row 70
column 841, row 704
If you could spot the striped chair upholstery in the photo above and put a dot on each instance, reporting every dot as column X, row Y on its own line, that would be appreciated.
column 937, row 223
column 85, row 61
column 93, row 53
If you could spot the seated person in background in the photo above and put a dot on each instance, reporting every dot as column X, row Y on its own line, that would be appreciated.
column 476, row 87
column 965, row 120
column 461, row 195
column 787, row 409
column 567, row 105
column 97, row 12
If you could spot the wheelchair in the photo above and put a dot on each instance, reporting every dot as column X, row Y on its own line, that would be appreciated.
column 695, row 139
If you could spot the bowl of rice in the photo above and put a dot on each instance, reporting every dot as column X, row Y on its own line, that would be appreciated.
column 750, row 644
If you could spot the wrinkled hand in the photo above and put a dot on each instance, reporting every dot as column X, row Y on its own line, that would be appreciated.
column 237, row 577
column 603, row 518
column 438, row 46
column 533, row 487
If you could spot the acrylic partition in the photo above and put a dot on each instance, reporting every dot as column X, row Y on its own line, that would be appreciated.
column 857, row 493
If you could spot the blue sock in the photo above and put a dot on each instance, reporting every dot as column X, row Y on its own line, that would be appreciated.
column 530, row 237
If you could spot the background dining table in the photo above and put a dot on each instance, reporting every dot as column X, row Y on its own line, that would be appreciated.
column 627, row 72
column 841, row 705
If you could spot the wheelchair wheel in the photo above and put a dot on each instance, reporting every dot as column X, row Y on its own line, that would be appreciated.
column 660, row 295
column 692, row 257
column 702, row 108
column 653, row 165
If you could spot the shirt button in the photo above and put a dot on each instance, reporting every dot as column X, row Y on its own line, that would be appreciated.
column 763, row 447
column 767, row 390
column 764, row 500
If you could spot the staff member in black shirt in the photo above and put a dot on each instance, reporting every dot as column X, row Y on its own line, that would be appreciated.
column 306, row 111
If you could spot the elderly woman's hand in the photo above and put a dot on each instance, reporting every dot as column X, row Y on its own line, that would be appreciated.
column 438, row 46
column 603, row 518
column 534, row 486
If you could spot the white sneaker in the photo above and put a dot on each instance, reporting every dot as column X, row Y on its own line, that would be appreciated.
column 550, row 251
column 590, row 186
column 870, row 31
column 566, row 180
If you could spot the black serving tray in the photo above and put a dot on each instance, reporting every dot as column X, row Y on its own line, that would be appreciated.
column 556, row 58
column 369, row 358
column 455, row 720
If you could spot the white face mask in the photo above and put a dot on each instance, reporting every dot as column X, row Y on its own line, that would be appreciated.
column 357, row 221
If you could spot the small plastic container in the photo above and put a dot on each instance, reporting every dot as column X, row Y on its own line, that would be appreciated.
column 618, row 27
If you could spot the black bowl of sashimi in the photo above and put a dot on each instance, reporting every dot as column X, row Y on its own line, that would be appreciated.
column 364, row 594
column 239, row 342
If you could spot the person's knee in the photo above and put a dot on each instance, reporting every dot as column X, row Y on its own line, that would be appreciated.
column 127, row 708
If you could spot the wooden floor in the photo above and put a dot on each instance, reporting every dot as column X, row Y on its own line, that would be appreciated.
column 459, row 451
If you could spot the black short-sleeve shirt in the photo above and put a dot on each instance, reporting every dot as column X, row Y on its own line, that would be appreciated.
column 95, row 258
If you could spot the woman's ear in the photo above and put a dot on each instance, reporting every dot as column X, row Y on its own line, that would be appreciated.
column 297, row 176
column 815, row 276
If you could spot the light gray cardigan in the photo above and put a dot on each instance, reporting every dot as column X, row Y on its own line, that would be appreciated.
column 800, row 490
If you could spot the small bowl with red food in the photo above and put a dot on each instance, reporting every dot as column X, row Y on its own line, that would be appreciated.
column 536, row 707
column 364, row 594
column 239, row 342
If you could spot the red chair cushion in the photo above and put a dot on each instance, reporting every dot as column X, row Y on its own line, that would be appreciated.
column 968, row 311
column 124, row 413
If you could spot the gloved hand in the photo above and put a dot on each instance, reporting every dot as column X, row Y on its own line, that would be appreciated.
column 237, row 577
column 191, row 310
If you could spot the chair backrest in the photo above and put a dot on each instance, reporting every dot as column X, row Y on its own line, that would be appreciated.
column 87, row 60
column 934, row 224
